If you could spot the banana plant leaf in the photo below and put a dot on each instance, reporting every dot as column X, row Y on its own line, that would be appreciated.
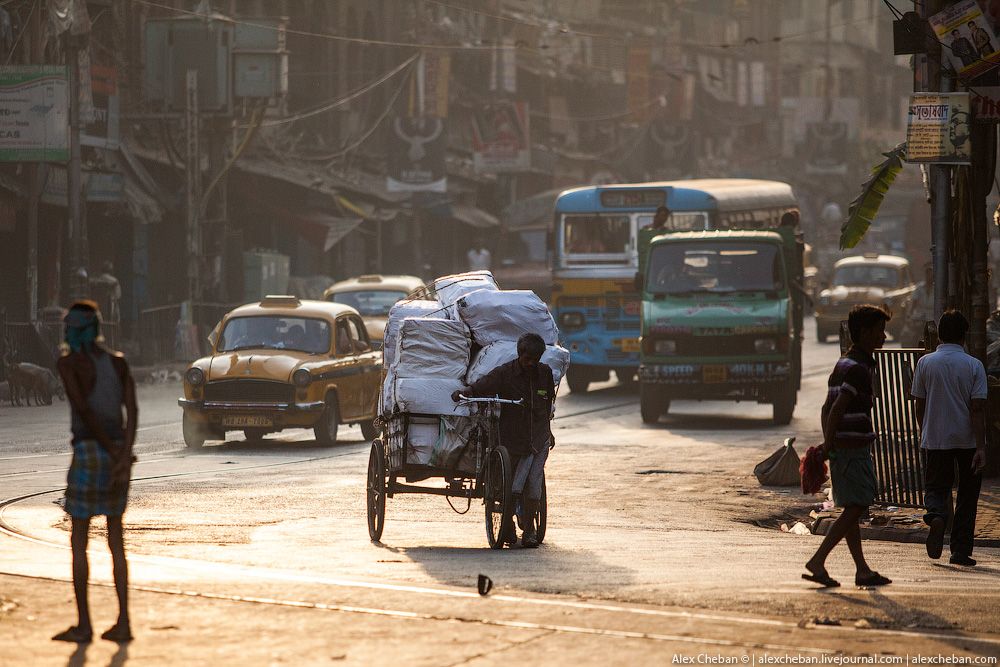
column 865, row 207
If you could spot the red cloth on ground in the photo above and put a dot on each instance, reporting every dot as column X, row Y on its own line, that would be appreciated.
column 813, row 470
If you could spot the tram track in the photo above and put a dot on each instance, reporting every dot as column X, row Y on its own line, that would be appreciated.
column 269, row 574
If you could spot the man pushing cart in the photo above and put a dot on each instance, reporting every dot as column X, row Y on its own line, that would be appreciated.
column 525, row 427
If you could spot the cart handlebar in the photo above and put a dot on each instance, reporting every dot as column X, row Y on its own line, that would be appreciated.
column 496, row 400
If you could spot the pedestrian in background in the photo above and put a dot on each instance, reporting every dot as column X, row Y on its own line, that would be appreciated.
column 848, row 434
column 479, row 257
column 949, row 386
column 98, row 385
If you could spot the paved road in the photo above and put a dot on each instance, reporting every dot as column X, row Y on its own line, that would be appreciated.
column 653, row 549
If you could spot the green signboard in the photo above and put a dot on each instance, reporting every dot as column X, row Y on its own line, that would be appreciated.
column 34, row 116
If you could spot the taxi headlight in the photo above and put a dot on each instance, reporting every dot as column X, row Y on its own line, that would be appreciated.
column 765, row 345
column 571, row 320
column 301, row 378
column 194, row 376
column 665, row 347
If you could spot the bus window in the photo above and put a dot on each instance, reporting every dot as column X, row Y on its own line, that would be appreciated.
column 597, row 234
column 679, row 221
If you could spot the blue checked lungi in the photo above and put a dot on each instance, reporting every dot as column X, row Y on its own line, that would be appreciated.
column 89, row 491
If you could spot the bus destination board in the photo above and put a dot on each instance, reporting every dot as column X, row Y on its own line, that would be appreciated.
column 633, row 198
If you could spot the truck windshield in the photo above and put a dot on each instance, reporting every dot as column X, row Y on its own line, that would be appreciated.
column 275, row 333
column 703, row 266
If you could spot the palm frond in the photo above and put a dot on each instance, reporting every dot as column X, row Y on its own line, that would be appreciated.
column 865, row 207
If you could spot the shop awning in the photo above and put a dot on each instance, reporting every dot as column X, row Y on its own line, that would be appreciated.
column 532, row 212
column 320, row 227
column 474, row 217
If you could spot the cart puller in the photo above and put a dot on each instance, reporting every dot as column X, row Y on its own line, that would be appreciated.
column 525, row 429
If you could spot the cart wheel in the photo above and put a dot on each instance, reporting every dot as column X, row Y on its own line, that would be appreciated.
column 541, row 516
column 376, row 491
column 497, row 496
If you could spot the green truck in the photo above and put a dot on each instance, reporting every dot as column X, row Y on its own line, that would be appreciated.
column 722, row 315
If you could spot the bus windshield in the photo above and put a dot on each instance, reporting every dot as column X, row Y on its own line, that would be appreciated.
column 700, row 266
column 597, row 235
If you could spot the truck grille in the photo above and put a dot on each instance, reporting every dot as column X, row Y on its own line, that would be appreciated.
column 250, row 391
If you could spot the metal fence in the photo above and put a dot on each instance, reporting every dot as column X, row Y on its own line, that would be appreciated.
column 39, row 342
column 166, row 335
column 897, row 453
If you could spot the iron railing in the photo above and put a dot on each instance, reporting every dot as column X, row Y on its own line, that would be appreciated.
column 897, row 453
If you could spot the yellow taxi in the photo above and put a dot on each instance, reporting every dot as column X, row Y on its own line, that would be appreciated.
column 373, row 295
column 870, row 278
column 283, row 363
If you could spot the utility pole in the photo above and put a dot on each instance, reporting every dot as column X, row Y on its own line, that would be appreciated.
column 928, row 80
column 193, row 172
column 79, row 283
column 35, row 56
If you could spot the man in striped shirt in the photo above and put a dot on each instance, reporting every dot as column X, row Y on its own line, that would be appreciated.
column 848, row 434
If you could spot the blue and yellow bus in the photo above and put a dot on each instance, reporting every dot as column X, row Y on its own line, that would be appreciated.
column 596, row 258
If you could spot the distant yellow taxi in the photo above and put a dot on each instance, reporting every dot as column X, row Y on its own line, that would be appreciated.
column 870, row 278
column 373, row 296
column 283, row 363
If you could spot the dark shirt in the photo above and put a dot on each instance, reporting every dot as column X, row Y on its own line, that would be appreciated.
column 523, row 428
column 105, row 402
column 855, row 375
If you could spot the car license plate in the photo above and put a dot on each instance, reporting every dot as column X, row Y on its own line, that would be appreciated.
column 246, row 420
column 713, row 374
column 629, row 344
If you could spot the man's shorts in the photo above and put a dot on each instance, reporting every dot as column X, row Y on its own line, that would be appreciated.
column 852, row 474
column 89, row 490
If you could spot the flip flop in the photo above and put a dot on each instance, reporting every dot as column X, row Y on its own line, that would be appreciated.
column 873, row 579
column 118, row 633
column 74, row 635
column 825, row 580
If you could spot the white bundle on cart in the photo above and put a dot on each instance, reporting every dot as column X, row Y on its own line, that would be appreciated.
column 450, row 289
column 399, row 312
column 432, row 357
column 495, row 316
column 505, row 351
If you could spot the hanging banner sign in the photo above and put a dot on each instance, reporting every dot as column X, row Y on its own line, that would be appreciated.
column 416, row 152
column 938, row 129
column 967, row 38
column 34, row 115
column 501, row 138
column 985, row 104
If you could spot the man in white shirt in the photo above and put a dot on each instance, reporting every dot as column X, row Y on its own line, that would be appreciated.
column 479, row 257
column 949, row 386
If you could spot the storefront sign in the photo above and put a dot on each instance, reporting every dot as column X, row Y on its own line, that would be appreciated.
column 967, row 38
column 101, row 129
column 416, row 155
column 501, row 138
column 98, row 186
column 33, row 114
column 938, row 128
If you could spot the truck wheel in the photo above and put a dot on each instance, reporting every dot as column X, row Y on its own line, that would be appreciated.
column 578, row 379
column 194, row 433
column 652, row 403
column 626, row 377
column 326, row 428
column 784, row 406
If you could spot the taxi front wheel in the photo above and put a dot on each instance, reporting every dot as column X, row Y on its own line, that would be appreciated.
column 368, row 430
column 329, row 422
column 194, row 433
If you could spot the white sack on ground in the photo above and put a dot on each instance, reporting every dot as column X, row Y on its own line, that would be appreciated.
column 499, row 316
column 400, row 311
column 432, row 348
column 450, row 289
column 429, row 396
column 501, row 352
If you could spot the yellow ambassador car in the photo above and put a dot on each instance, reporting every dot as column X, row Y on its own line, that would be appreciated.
column 373, row 295
column 870, row 278
column 283, row 363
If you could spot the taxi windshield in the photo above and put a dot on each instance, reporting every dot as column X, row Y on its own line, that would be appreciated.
column 862, row 275
column 676, row 268
column 370, row 303
column 275, row 332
